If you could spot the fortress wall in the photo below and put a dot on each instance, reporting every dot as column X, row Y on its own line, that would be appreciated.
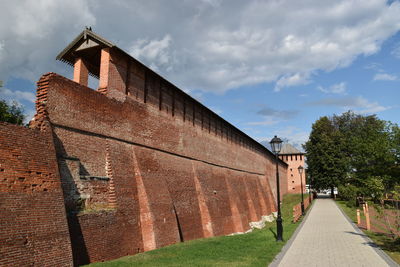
column 150, row 179
column 33, row 224
column 82, row 109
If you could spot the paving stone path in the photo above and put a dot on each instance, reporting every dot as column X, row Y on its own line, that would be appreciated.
column 327, row 238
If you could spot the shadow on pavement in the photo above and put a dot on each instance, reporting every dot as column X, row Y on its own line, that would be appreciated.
column 371, row 244
column 354, row 233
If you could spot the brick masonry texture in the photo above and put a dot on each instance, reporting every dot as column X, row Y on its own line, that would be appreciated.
column 172, row 181
column 138, row 164
column 33, row 224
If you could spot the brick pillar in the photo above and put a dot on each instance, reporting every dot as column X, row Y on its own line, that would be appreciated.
column 113, row 70
column 104, row 69
column 81, row 73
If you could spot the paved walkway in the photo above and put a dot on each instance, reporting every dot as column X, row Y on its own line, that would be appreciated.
column 327, row 238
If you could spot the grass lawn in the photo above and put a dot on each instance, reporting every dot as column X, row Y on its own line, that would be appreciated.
column 390, row 246
column 257, row 248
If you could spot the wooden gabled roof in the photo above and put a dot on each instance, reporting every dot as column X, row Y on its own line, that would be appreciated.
column 87, row 45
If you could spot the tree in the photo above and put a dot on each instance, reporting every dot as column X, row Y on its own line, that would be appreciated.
column 11, row 113
column 394, row 169
column 355, row 151
column 324, row 158
column 367, row 145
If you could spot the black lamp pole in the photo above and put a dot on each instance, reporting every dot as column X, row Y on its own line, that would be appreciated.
column 276, row 144
column 300, row 168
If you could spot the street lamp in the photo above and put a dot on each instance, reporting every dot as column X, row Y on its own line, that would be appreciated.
column 300, row 168
column 276, row 145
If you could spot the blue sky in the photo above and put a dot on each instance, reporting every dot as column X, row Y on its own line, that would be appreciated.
column 268, row 67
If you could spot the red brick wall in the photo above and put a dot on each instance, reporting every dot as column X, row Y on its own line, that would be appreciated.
column 297, row 208
column 33, row 225
column 169, row 179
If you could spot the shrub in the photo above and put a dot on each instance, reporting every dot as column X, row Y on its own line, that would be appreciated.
column 348, row 192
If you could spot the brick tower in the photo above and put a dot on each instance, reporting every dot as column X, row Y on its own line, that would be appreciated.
column 294, row 158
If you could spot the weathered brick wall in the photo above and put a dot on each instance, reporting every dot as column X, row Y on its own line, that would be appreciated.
column 168, row 179
column 33, row 225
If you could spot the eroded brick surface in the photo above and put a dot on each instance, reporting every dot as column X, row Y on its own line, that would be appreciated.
column 185, row 181
column 33, row 225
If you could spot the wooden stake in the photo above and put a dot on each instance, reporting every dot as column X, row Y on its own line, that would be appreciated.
column 367, row 217
column 358, row 217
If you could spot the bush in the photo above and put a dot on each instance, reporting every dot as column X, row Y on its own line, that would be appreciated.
column 348, row 192
column 373, row 187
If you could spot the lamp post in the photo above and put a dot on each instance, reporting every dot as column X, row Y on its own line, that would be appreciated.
column 300, row 168
column 276, row 145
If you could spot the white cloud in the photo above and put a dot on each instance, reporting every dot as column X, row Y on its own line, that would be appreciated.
column 291, row 80
column 156, row 51
column 17, row 95
column 32, row 33
column 212, row 45
column 358, row 104
column 366, row 107
column 385, row 77
column 339, row 88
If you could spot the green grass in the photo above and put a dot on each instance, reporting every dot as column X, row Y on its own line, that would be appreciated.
column 387, row 244
column 257, row 248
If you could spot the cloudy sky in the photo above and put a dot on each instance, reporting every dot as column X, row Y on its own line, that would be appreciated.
column 268, row 67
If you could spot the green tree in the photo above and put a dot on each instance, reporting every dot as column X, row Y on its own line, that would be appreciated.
column 11, row 113
column 326, row 162
column 367, row 146
column 363, row 152
column 394, row 169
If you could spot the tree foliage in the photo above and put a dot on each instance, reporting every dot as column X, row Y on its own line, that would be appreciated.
column 322, row 144
column 12, row 113
column 352, row 149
